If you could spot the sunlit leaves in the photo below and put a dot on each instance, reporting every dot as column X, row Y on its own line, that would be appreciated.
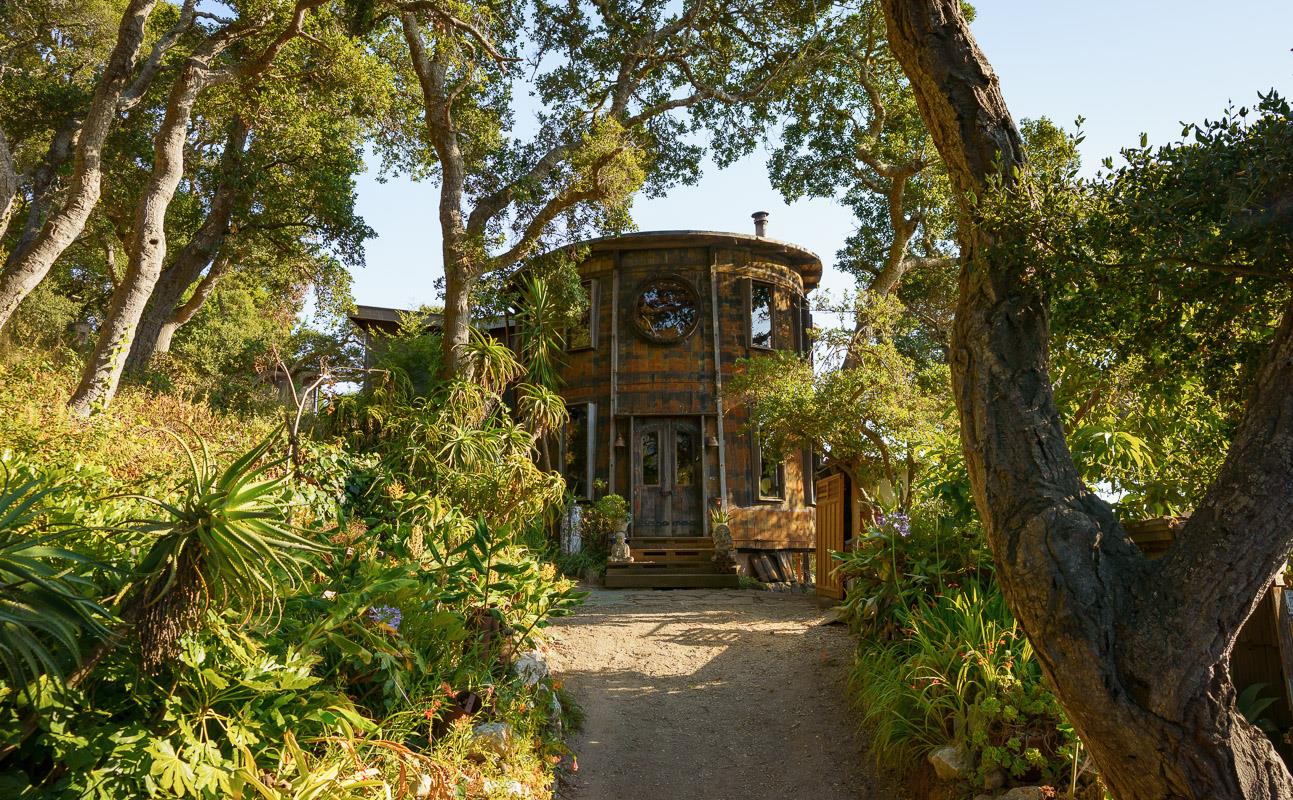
column 225, row 540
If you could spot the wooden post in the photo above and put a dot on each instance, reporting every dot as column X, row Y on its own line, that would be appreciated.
column 718, row 377
column 704, row 477
column 613, row 428
column 1284, row 627
column 633, row 500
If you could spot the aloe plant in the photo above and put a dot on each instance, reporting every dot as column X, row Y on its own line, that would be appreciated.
column 226, row 540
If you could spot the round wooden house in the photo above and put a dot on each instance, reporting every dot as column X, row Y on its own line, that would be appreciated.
column 670, row 315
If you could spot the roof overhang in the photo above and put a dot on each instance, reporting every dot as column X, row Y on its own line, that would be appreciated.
column 805, row 261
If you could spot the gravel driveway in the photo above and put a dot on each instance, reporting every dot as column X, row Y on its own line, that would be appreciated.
column 710, row 695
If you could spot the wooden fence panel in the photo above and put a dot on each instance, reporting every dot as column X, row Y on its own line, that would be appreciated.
column 831, row 503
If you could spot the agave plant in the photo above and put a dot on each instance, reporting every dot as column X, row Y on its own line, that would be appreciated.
column 225, row 541
column 46, row 609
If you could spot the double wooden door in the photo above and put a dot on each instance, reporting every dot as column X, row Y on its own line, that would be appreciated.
column 666, row 477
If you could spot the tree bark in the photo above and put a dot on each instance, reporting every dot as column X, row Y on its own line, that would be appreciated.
column 43, row 185
column 459, row 274
column 164, row 315
column 148, row 246
column 103, row 371
column 1136, row 651
column 8, row 183
column 17, row 281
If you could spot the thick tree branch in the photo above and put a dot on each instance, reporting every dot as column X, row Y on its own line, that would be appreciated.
column 459, row 24
column 8, row 184
column 201, row 293
column 134, row 94
column 1241, row 534
column 1143, row 677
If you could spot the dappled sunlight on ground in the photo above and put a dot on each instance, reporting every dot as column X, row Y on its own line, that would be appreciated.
column 710, row 694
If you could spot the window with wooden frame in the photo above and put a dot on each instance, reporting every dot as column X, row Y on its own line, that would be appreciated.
column 769, row 471
column 578, row 449
column 583, row 334
column 760, row 304
column 804, row 319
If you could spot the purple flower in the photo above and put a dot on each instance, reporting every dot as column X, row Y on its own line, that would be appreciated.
column 897, row 522
column 386, row 615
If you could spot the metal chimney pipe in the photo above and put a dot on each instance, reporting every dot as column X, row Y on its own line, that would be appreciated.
column 760, row 223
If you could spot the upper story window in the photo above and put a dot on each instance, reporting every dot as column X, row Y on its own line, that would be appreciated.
column 666, row 310
column 761, row 315
column 583, row 334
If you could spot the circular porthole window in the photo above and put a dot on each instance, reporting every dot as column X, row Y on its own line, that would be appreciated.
column 666, row 310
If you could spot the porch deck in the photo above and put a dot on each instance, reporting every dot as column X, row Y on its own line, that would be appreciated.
column 670, row 563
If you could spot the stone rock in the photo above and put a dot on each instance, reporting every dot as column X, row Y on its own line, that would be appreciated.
column 994, row 780
column 950, row 763
column 985, row 797
column 1025, row 793
column 494, row 736
column 531, row 668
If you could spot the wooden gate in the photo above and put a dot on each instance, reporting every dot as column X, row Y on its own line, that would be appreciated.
column 831, row 503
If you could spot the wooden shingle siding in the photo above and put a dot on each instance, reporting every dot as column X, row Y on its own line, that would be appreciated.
column 677, row 380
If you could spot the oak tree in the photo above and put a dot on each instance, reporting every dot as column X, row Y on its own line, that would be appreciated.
column 1137, row 651
column 621, row 88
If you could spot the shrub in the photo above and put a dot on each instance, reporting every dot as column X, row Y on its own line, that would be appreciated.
column 942, row 661
column 334, row 629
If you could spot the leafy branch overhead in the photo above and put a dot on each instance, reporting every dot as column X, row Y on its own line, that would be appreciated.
column 620, row 90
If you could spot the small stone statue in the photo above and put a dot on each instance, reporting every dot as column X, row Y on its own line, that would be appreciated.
column 620, row 553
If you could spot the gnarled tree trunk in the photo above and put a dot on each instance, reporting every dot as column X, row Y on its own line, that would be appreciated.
column 148, row 247
column 164, row 313
column 8, row 183
column 18, row 279
column 1136, row 651
column 43, row 187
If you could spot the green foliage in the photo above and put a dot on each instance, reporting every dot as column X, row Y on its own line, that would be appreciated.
column 396, row 615
column 941, row 659
column 459, row 436
column 874, row 408
column 962, row 673
column 900, row 561
column 849, row 129
column 46, row 607
column 542, row 322
column 223, row 541
column 1166, row 276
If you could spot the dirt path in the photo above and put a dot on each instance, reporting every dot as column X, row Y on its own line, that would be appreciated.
column 710, row 695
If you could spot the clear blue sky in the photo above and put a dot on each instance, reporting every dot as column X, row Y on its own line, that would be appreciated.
column 1127, row 67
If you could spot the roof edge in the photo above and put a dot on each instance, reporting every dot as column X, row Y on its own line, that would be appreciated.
column 806, row 261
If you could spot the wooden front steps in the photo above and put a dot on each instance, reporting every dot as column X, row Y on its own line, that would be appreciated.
column 670, row 563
